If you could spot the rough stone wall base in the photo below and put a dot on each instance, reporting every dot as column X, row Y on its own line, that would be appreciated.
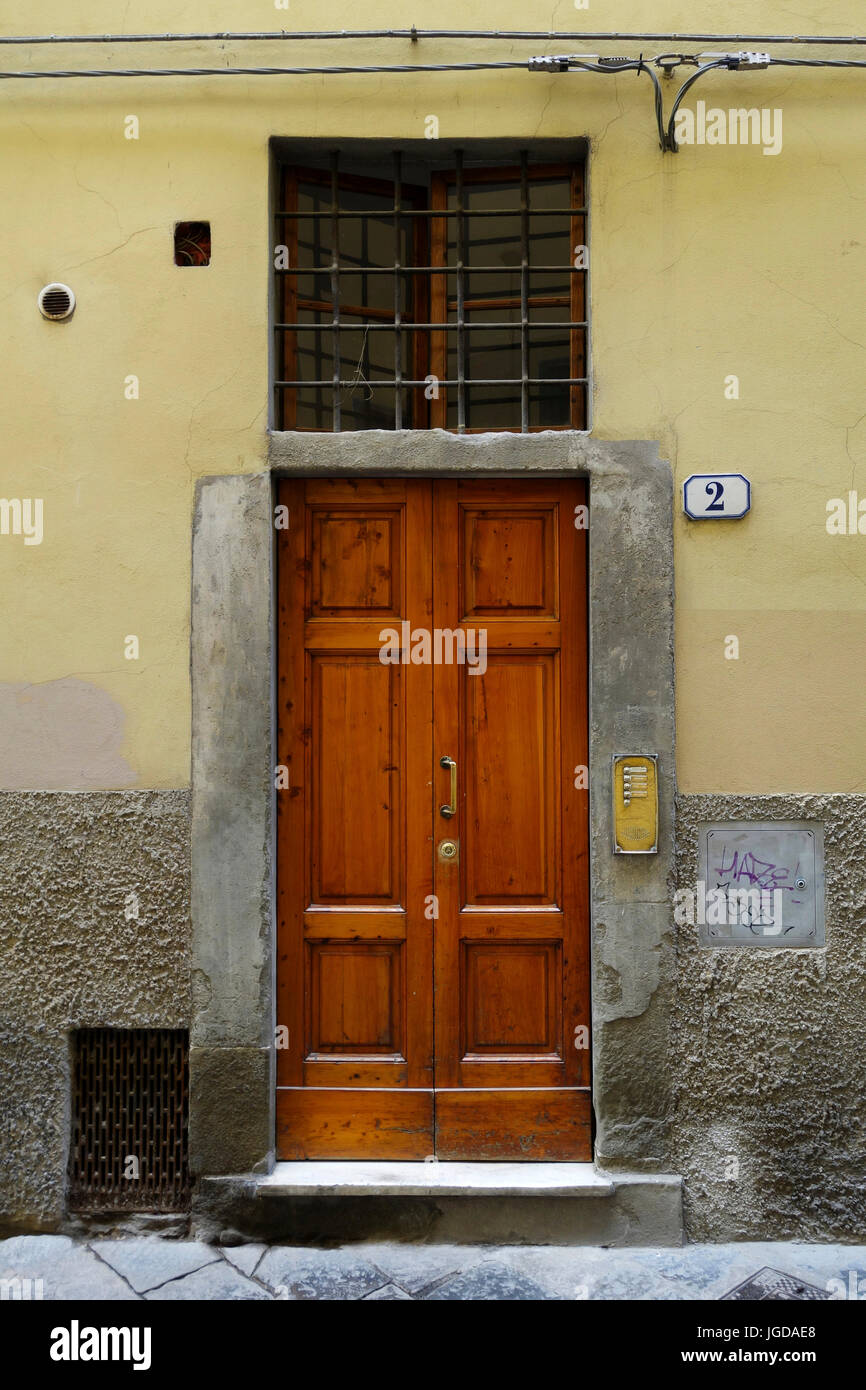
column 71, row 957
column 770, row 1075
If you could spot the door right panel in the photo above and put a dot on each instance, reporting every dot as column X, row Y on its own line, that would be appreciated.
column 511, row 987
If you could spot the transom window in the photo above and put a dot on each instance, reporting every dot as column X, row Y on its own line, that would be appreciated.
column 454, row 299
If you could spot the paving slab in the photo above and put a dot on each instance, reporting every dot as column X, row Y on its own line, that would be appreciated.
column 493, row 1280
column 295, row 1272
column 390, row 1294
column 155, row 1268
column 694, row 1272
column 245, row 1257
column 146, row 1262
column 67, row 1270
column 217, row 1282
column 587, row 1272
column 416, row 1267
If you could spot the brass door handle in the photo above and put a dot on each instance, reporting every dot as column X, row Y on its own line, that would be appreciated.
column 449, row 811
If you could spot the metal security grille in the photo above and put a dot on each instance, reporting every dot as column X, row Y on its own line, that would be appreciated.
column 130, row 1111
column 456, row 303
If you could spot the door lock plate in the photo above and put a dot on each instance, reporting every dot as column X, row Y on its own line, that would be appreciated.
column 449, row 850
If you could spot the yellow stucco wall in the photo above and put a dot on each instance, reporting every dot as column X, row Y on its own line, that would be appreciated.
column 713, row 262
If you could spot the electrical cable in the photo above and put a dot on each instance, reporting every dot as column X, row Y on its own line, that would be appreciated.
column 613, row 65
column 818, row 63
column 283, row 35
column 609, row 65
column 551, row 64
column 671, row 142
column 266, row 72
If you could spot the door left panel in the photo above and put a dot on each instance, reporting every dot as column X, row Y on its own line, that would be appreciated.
column 354, row 975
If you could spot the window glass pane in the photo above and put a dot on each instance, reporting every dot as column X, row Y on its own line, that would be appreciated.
column 368, row 409
column 487, row 408
column 359, row 411
column 549, row 194
column 549, row 357
column 549, row 282
column 368, row 240
column 311, row 348
column 550, row 313
column 549, row 407
column 314, row 233
column 487, row 240
column 490, row 353
column 313, row 409
column 548, row 352
column 483, row 285
column 549, row 242
column 360, row 291
column 492, row 241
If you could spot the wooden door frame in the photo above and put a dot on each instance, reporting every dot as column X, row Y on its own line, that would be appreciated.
column 232, row 857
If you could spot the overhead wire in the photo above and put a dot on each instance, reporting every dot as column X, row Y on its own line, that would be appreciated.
column 550, row 64
column 413, row 33
column 330, row 70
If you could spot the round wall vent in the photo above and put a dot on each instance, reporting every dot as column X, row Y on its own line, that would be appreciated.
column 56, row 302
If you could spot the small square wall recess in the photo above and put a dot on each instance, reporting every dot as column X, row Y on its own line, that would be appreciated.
column 192, row 243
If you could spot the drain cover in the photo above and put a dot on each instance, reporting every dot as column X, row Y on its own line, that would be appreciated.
column 774, row 1283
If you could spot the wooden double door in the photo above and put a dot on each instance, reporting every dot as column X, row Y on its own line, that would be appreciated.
column 432, row 981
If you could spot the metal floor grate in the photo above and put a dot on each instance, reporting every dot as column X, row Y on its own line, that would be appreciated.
column 130, row 1108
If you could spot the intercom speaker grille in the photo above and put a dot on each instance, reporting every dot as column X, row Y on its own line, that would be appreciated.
column 56, row 302
column 130, row 1109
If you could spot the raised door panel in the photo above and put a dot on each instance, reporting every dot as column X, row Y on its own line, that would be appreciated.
column 512, row 998
column 355, row 998
column 356, row 812
column 509, row 562
column 511, row 780
column 356, row 562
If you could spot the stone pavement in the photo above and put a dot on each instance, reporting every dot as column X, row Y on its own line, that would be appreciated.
column 153, row 1268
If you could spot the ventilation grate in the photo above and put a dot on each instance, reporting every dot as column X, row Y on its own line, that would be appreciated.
column 56, row 302
column 130, row 1106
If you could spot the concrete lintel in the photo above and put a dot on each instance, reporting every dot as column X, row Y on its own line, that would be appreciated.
column 431, row 452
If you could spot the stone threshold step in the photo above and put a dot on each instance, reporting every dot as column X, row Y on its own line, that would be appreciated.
column 312, row 1178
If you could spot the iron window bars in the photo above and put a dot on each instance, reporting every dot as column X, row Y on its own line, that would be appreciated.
column 458, row 305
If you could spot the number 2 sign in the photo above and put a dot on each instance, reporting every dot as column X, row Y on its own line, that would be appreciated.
column 719, row 496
